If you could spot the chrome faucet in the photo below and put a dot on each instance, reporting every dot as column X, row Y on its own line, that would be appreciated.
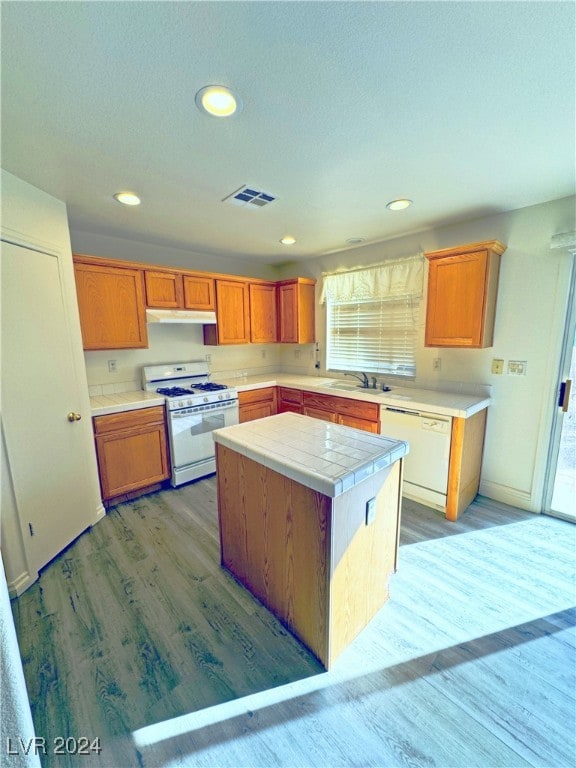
column 362, row 378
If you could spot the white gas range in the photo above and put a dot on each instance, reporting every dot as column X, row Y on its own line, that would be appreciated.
column 195, row 407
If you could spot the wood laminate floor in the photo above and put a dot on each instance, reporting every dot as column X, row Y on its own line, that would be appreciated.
column 135, row 635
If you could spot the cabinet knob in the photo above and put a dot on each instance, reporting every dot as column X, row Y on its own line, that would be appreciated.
column 74, row 416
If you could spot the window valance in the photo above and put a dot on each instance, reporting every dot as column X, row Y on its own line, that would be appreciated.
column 390, row 279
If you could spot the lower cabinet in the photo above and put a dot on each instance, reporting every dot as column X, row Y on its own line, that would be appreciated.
column 257, row 403
column 289, row 400
column 132, row 450
column 342, row 410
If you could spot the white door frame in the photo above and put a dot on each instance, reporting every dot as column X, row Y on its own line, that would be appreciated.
column 563, row 374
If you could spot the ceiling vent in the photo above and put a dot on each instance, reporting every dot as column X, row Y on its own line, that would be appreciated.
column 249, row 197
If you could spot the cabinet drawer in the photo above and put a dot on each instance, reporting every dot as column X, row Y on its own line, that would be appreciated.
column 357, row 408
column 256, row 395
column 287, row 395
column 113, row 422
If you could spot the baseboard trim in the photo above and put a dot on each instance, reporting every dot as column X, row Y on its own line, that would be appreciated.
column 511, row 496
column 20, row 584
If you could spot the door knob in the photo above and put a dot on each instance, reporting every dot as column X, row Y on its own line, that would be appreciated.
column 74, row 416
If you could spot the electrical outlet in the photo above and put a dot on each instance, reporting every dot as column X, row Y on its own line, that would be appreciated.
column 263, row 353
column 437, row 364
column 517, row 367
column 297, row 353
column 112, row 366
column 370, row 510
column 208, row 358
column 497, row 365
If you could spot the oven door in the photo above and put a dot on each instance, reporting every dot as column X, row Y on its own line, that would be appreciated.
column 191, row 430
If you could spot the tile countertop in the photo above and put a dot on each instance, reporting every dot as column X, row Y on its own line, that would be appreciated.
column 411, row 398
column 329, row 458
column 124, row 401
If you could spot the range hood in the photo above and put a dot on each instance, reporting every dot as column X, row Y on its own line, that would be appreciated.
column 180, row 316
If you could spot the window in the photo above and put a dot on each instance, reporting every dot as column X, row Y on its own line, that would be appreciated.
column 372, row 317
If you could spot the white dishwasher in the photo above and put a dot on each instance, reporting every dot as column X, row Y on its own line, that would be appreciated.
column 426, row 465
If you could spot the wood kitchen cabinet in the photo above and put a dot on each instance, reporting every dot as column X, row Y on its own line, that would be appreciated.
column 462, row 291
column 163, row 290
column 342, row 410
column 167, row 289
column 132, row 450
column 232, row 314
column 296, row 315
column 257, row 403
column 263, row 315
column 111, row 305
column 290, row 400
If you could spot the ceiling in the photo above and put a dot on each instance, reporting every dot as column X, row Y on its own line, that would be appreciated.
column 467, row 108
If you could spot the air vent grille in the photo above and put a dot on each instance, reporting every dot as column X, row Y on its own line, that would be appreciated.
column 249, row 196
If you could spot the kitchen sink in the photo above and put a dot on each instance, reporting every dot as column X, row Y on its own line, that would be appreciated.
column 343, row 385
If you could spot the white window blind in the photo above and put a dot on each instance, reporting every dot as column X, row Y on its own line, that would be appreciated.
column 372, row 317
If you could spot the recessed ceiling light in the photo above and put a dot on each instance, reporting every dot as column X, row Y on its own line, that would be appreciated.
column 355, row 240
column 399, row 205
column 218, row 100
column 288, row 240
column 127, row 198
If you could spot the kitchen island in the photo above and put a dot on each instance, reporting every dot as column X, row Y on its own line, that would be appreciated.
column 309, row 518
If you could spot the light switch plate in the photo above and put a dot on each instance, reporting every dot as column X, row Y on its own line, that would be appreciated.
column 497, row 365
column 370, row 510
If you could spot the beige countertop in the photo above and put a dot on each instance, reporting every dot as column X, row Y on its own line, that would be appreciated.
column 329, row 458
column 124, row 401
column 410, row 398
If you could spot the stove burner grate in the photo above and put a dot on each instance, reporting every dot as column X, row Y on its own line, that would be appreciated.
column 174, row 391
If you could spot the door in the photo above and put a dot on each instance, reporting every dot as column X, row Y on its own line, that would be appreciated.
column 561, row 484
column 47, row 451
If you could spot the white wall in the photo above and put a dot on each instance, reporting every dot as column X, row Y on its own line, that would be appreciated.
column 529, row 322
column 132, row 250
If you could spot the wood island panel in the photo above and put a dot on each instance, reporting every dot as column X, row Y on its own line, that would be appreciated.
column 311, row 559
column 273, row 538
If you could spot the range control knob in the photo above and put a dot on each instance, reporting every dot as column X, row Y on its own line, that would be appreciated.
column 205, row 399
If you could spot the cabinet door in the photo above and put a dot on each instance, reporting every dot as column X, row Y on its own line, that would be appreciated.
column 163, row 290
column 263, row 318
column 353, row 421
column 131, row 459
column 296, row 311
column 320, row 413
column 256, row 411
column 462, row 290
column 232, row 314
column 257, row 403
column 199, row 292
column 456, row 300
column 111, row 306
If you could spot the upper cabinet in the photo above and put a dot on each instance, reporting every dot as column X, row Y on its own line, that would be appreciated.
column 168, row 289
column 263, row 315
column 199, row 292
column 232, row 314
column 296, row 305
column 163, row 290
column 462, row 290
column 111, row 305
column 113, row 297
